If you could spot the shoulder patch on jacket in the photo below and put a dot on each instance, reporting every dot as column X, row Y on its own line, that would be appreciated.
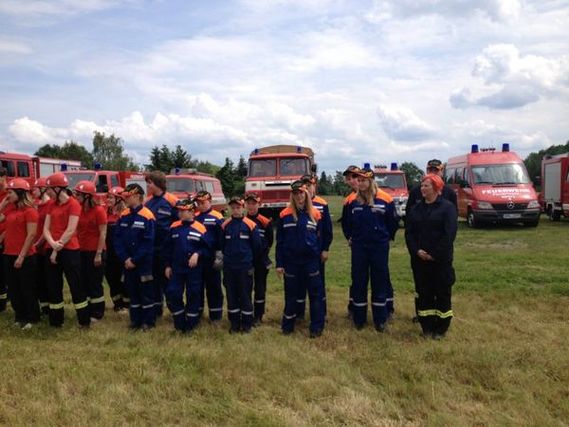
column 263, row 220
column 286, row 211
column 176, row 224
column 249, row 223
column 316, row 214
column 350, row 198
column 216, row 214
column 225, row 223
column 319, row 200
column 170, row 198
column 199, row 226
column 383, row 196
column 146, row 213
column 125, row 212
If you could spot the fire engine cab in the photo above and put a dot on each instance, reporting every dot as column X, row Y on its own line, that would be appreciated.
column 185, row 183
column 493, row 187
column 393, row 182
column 555, row 185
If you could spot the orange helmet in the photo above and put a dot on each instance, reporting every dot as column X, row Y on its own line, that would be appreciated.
column 86, row 187
column 40, row 183
column 19, row 184
column 57, row 180
column 116, row 191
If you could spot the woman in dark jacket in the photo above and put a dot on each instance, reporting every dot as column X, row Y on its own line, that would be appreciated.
column 430, row 232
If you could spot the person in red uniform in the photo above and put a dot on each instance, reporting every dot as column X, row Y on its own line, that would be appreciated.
column 3, row 203
column 60, row 232
column 92, row 233
column 19, row 259
column 42, row 202
column 113, row 264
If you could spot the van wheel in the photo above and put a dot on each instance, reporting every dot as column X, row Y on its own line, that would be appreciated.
column 471, row 220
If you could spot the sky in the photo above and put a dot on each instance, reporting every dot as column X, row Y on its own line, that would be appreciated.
column 376, row 81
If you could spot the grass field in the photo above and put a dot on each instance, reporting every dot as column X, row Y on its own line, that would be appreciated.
column 505, row 360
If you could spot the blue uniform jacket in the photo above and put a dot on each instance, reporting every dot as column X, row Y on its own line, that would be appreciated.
column 298, row 241
column 134, row 237
column 326, row 233
column 212, row 221
column 241, row 243
column 165, row 213
column 265, row 227
column 432, row 227
column 368, row 225
column 184, row 239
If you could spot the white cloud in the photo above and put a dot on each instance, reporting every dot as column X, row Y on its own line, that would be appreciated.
column 402, row 124
column 55, row 7
column 15, row 47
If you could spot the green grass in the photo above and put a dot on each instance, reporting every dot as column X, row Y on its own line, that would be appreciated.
column 504, row 361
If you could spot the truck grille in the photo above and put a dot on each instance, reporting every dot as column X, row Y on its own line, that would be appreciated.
column 274, row 195
column 509, row 207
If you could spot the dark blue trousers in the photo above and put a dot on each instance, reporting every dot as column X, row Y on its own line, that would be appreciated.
column 239, row 287
column 142, row 297
column 307, row 276
column 186, row 317
column 212, row 288
column 302, row 293
column 370, row 264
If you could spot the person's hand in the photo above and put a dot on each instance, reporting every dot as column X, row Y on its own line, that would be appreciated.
column 168, row 272
column 129, row 265
column 424, row 255
column 98, row 261
column 350, row 242
column 193, row 261
column 324, row 256
column 57, row 246
column 19, row 261
column 53, row 257
column 280, row 272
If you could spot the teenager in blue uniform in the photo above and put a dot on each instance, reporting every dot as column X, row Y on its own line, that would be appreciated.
column 430, row 231
column 162, row 205
column 212, row 265
column 263, row 262
column 326, row 236
column 184, row 250
column 134, row 245
column 241, row 244
column 298, row 255
column 370, row 222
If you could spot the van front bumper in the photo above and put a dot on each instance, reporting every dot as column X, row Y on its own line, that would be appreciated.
column 491, row 215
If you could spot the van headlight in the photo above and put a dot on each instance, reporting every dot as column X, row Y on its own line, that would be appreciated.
column 484, row 205
column 533, row 204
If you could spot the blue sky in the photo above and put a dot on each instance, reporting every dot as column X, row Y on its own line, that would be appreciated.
column 357, row 81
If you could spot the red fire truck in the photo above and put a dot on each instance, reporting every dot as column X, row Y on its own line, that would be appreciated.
column 493, row 187
column 555, row 185
column 393, row 182
column 32, row 167
column 185, row 183
column 271, row 171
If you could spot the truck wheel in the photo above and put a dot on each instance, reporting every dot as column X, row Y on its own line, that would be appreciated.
column 471, row 220
column 554, row 215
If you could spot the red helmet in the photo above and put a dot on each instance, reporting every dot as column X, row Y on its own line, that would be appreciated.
column 19, row 184
column 116, row 191
column 40, row 183
column 85, row 187
column 57, row 180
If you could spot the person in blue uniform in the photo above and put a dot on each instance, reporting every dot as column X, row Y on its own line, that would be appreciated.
column 241, row 245
column 326, row 236
column 212, row 265
column 298, row 257
column 369, row 224
column 184, row 250
column 163, row 206
column 430, row 231
column 263, row 262
column 134, row 245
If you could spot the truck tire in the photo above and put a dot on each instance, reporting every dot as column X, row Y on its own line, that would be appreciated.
column 554, row 215
column 471, row 220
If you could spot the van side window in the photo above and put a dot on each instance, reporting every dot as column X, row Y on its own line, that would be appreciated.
column 459, row 177
column 102, row 186
column 449, row 175
column 9, row 165
column 23, row 169
column 209, row 187
column 114, row 181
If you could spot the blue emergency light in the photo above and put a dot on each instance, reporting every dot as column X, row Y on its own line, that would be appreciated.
column 63, row 167
column 299, row 149
column 256, row 151
column 393, row 166
column 98, row 166
column 505, row 147
column 474, row 148
column 177, row 171
column 367, row 166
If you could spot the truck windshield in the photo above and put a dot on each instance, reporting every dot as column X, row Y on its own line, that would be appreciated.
column 500, row 174
column 179, row 185
column 390, row 180
column 265, row 167
column 291, row 167
column 75, row 177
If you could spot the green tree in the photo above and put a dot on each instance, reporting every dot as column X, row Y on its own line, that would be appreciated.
column 160, row 159
column 207, row 167
column 50, row 151
column 180, row 158
column 325, row 186
column 533, row 160
column 340, row 187
column 241, row 167
column 109, row 152
column 70, row 150
column 227, row 176
column 413, row 173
